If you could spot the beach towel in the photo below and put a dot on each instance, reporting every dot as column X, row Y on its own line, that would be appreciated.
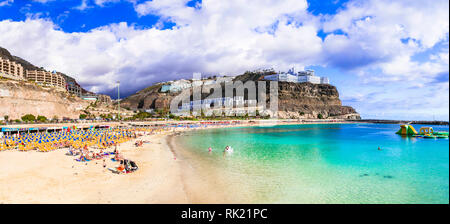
column 79, row 160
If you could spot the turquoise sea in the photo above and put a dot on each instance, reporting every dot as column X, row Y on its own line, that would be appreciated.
column 320, row 163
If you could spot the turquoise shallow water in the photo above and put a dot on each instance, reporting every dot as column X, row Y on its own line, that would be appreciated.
column 322, row 163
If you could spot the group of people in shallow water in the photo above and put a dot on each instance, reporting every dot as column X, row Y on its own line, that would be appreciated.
column 228, row 149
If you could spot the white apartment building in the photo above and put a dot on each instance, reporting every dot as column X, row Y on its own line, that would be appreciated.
column 300, row 77
column 180, row 85
column 282, row 77
column 324, row 80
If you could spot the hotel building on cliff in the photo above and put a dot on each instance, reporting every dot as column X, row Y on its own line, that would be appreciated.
column 72, row 86
column 15, row 71
column 300, row 77
column 10, row 69
column 46, row 78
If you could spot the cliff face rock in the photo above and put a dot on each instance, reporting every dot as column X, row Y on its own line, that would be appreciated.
column 306, row 100
column 20, row 98
column 295, row 100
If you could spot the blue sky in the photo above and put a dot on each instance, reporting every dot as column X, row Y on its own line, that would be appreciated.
column 384, row 61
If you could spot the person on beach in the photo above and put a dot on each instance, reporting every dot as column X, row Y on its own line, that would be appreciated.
column 88, row 156
column 117, row 156
column 121, row 167
column 82, row 157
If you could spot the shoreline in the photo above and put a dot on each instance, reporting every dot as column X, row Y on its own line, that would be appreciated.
column 280, row 121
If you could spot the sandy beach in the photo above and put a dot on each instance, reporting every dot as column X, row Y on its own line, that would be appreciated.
column 53, row 177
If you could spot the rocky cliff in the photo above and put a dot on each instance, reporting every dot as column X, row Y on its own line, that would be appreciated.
column 296, row 100
column 306, row 100
column 26, row 65
column 20, row 98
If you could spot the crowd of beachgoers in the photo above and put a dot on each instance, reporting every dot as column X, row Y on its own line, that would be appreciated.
column 84, row 145
column 95, row 144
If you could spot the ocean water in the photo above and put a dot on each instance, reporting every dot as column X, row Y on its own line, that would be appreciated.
column 319, row 163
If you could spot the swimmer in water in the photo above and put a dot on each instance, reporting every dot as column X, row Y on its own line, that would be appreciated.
column 379, row 149
column 225, row 151
column 209, row 149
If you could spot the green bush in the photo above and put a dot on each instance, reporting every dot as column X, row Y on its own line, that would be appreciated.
column 28, row 118
column 162, row 112
column 142, row 115
column 83, row 116
column 320, row 116
column 41, row 118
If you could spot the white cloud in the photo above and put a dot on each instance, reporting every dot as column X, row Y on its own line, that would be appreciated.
column 83, row 6
column 42, row 1
column 211, row 42
column 376, row 39
column 103, row 2
column 6, row 2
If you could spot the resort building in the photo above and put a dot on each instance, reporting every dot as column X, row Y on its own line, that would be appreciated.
column 324, row 80
column 165, row 88
column 300, row 77
column 72, row 86
column 289, row 76
column 101, row 98
column 282, row 77
column 180, row 85
column 176, row 86
column 230, row 102
column 10, row 69
column 46, row 78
